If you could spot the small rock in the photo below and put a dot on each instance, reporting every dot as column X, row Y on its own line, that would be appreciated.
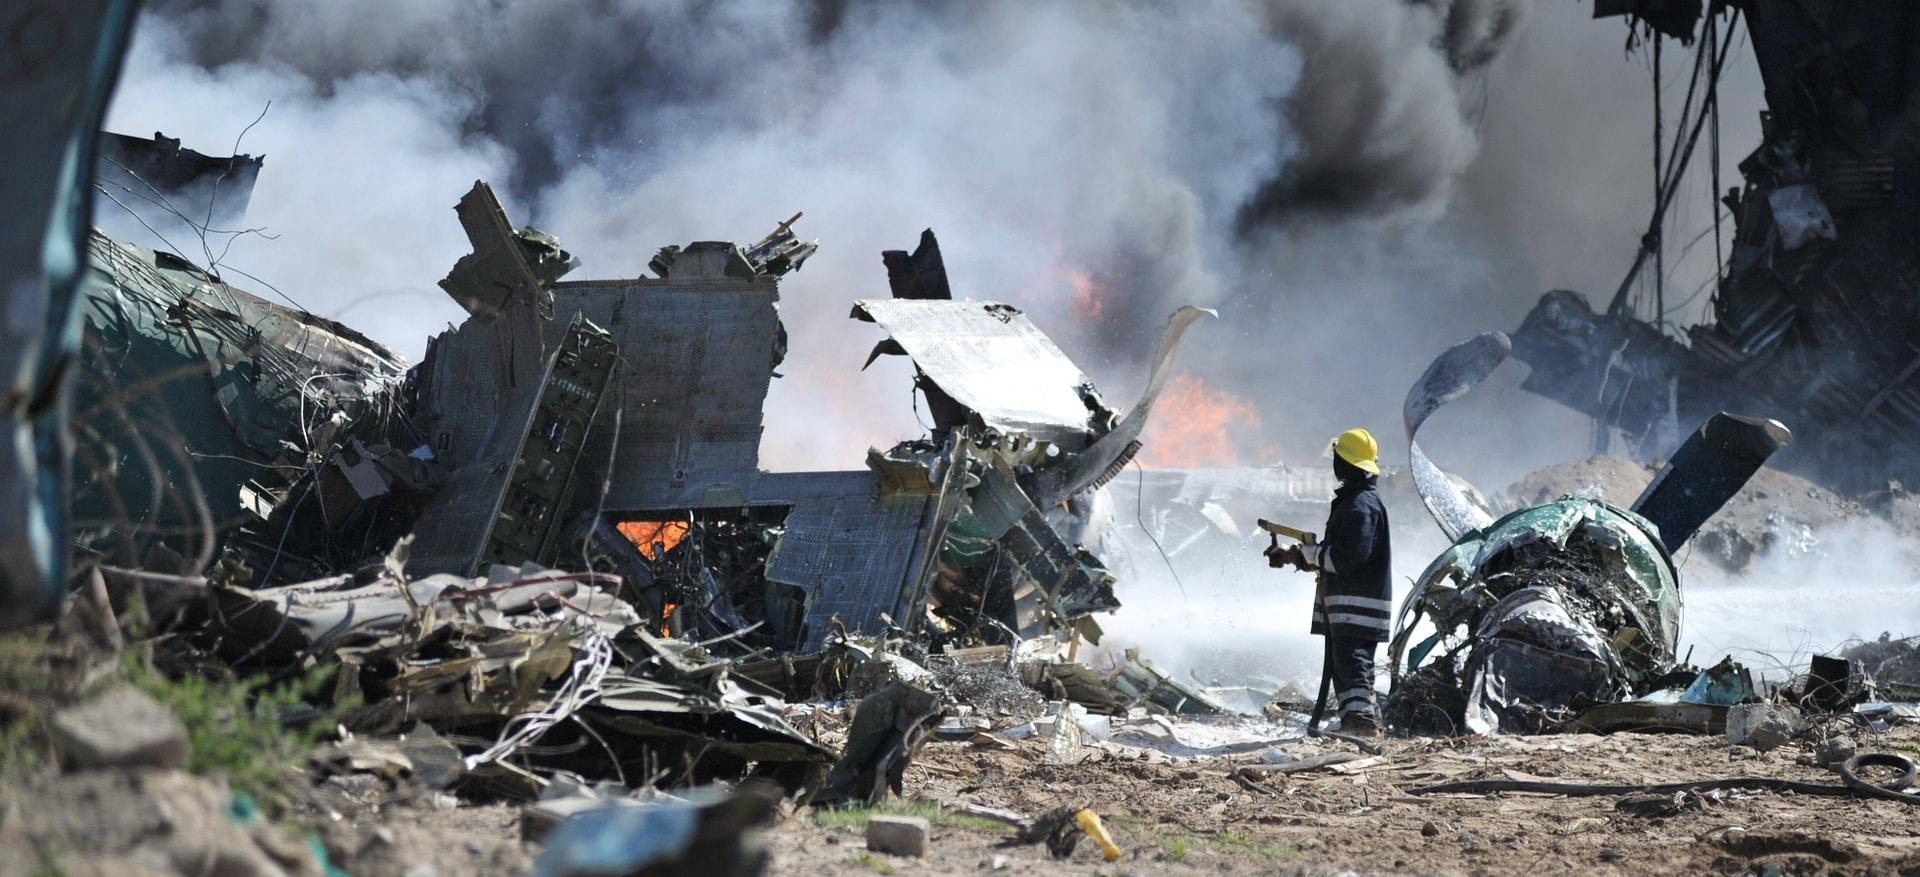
column 1834, row 750
column 122, row 728
column 999, row 863
column 1763, row 726
column 1429, row 830
column 381, row 837
column 1276, row 755
column 899, row 835
column 1064, row 747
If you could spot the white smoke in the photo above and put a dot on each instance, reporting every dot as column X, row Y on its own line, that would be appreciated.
column 1247, row 155
column 1813, row 592
column 356, row 189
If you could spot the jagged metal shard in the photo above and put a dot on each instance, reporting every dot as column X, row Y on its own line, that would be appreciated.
column 160, row 194
column 1707, row 471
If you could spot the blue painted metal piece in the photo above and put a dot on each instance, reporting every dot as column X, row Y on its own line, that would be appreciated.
column 58, row 66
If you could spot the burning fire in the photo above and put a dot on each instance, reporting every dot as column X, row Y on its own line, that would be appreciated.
column 1087, row 294
column 647, row 534
column 1193, row 426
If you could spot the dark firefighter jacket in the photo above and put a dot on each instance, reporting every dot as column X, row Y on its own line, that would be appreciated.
column 1356, row 566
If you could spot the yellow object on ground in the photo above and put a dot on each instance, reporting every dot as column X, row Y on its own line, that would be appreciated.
column 1090, row 823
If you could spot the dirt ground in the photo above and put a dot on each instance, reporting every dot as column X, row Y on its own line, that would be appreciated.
column 1191, row 817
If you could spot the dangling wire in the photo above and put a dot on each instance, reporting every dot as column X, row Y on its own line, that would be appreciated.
column 1675, row 165
column 1713, row 103
column 1657, row 232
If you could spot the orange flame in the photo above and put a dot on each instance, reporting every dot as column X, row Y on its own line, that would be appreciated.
column 647, row 534
column 1193, row 427
column 1087, row 294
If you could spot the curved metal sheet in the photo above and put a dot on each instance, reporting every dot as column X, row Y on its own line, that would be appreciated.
column 1450, row 376
column 1055, row 483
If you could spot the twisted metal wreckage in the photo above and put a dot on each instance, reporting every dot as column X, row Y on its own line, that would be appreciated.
column 1812, row 316
column 1567, row 614
column 528, row 532
column 556, row 527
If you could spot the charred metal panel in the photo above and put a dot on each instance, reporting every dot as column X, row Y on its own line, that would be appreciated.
column 698, row 352
column 861, row 553
column 541, row 485
column 507, row 267
column 1707, row 471
column 991, row 359
column 923, row 274
column 491, row 365
column 177, row 193
column 508, row 507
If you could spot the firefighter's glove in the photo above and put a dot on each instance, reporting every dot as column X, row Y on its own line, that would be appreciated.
column 1288, row 556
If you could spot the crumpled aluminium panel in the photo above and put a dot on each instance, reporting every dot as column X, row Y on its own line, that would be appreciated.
column 187, row 379
column 990, row 358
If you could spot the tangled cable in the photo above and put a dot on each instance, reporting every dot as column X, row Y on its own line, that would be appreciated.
column 581, row 688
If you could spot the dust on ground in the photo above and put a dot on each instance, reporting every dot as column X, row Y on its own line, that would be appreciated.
column 1183, row 817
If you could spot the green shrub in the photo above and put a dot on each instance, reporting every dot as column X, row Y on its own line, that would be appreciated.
column 235, row 726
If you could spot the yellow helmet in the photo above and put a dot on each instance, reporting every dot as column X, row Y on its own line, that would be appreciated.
column 1357, row 447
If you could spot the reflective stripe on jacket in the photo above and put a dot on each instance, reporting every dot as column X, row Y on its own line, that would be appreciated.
column 1355, row 594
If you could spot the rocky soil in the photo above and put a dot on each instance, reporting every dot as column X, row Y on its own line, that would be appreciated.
column 1191, row 817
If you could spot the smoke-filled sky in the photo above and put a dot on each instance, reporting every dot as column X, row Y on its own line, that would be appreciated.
column 1353, row 184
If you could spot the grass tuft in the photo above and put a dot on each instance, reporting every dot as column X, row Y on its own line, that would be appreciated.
column 855, row 818
column 26, row 697
column 235, row 726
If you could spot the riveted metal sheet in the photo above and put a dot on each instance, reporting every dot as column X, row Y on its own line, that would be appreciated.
column 696, row 361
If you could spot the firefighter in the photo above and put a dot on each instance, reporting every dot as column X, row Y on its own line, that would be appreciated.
column 1354, row 597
